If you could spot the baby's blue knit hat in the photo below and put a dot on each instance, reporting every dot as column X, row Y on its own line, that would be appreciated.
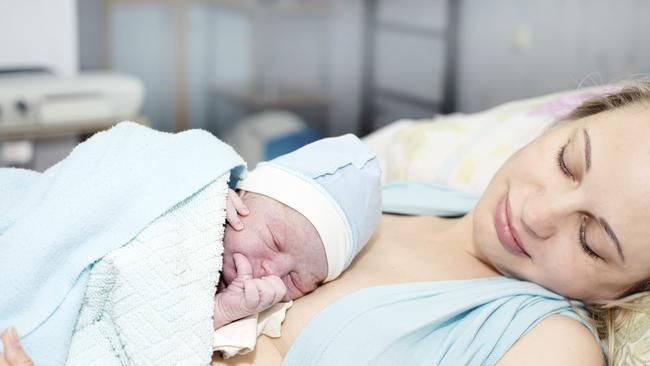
column 336, row 184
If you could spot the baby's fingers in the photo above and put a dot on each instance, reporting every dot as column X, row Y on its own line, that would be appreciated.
column 280, row 290
column 238, row 203
column 272, row 290
column 262, row 293
column 232, row 217
column 242, row 266
column 251, row 295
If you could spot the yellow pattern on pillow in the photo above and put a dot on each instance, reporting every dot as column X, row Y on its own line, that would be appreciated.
column 632, row 340
column 464, row 151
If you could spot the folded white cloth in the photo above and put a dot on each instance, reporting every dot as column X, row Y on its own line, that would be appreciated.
column 151, row 302
column 240, row 337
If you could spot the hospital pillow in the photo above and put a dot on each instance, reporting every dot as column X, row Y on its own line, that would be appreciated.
column 463, row 151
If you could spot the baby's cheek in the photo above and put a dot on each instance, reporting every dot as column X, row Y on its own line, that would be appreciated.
column 292, row 295
column 227, row 237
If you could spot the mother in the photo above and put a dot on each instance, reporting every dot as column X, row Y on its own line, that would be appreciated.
column 566, row 212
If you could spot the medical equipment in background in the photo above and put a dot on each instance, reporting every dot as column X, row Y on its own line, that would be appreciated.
column 42, row 98
column 43, row 115
column 266, row 135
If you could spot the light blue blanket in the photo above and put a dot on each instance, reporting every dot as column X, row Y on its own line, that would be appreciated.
column 55, row 225
column 426, row 198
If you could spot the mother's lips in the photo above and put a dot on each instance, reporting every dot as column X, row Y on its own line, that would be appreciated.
column 513, row 229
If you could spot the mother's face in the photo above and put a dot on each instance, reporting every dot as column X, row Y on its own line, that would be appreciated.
column 570, row 211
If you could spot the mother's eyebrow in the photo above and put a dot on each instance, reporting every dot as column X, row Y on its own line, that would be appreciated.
column 610, row 233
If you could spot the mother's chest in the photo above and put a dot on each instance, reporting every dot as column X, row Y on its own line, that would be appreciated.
column 389, row 260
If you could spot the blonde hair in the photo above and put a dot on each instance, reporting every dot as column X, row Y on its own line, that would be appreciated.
column 608, row 316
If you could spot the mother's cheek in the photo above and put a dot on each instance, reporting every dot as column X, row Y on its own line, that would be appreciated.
column 560, row 277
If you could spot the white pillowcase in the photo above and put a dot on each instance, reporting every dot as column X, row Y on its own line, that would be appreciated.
column 463, row 151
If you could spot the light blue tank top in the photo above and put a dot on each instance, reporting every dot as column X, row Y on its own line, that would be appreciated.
column 465, row 322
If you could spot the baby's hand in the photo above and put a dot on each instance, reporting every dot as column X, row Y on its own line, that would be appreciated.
column 235, row 207
column 246, row 295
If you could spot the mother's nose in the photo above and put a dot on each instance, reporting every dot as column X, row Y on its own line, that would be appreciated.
column 543, row 212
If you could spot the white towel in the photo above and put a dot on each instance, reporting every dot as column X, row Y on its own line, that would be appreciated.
column 151, row 302
column 240, row 337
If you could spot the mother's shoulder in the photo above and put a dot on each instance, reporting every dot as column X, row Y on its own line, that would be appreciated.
column 556, row 340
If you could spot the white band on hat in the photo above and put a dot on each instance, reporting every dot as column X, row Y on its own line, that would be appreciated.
column 312, row 201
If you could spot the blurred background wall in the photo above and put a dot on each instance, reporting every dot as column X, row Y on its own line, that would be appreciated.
column 253, row 70
column 29, row 37
column 511, row 49
column 500, row 50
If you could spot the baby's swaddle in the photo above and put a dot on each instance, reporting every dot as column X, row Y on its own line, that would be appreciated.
column 151, row 302
column 55, row 225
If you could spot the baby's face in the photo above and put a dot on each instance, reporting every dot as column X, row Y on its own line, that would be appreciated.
column 276, row 240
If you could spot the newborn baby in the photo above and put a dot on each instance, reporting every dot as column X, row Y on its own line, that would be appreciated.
column 279, row 257
column 297, row 222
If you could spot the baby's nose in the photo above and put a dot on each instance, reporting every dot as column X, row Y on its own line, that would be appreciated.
column 265, row 269
column 278, row 266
